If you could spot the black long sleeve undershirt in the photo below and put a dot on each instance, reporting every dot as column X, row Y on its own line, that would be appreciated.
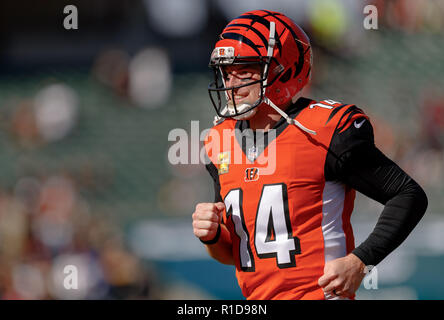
column 354, row 160
column 369, row 171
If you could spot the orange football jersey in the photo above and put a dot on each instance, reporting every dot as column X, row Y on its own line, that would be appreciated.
column 285, row 218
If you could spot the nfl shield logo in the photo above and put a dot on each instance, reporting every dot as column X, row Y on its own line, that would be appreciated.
column 252, row 153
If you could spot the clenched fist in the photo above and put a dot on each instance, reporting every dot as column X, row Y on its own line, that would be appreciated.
column 206, row 220
column 342, row 276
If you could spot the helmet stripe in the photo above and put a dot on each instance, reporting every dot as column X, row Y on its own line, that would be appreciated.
column 300, row 62
column 264, row 40
column 264, row 22
column 240, row 38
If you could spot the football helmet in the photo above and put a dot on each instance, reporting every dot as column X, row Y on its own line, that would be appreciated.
column 275, row 43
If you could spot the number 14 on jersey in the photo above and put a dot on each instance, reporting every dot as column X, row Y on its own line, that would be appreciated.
column 273, row 234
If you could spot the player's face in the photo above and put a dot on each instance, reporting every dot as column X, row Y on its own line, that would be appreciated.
column 241, row 75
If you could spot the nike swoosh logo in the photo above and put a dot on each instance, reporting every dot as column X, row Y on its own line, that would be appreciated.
column 358, row 125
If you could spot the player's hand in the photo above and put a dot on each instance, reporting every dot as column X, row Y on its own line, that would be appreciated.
column 206, row 220
column 343, row 276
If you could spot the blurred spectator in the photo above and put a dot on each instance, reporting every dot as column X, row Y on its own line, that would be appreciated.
column 48, row 117
column 425, row 154
column 111, row 69
column 385, row 135
column 433, row 121
column 55, row 109
column 13, row 227
column 177, row 18
column 144, row 79
column 412, row 15
column 52, row 223
column 150, row 78
column 24, row 125
column 123, row 272
column 45, row 226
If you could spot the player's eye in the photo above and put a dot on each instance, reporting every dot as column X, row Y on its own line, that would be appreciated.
column 228, row 77
column 243, row 76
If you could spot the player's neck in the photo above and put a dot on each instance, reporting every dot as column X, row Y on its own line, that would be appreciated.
column 264, row 123
column 265, row 118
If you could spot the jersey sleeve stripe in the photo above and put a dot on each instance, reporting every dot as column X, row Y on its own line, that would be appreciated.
column 334, row 112
column 351, row 112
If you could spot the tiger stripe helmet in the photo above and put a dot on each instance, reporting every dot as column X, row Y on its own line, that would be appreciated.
column 273, row 41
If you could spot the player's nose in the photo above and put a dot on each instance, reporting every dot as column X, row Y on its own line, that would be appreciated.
column 232, row 81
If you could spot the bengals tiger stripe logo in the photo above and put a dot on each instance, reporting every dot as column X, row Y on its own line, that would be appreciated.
column 251, row 174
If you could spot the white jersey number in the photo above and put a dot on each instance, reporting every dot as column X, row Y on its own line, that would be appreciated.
column 273, row 235
column 327, row 104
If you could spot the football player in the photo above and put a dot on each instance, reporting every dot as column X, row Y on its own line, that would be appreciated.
column 288, row 231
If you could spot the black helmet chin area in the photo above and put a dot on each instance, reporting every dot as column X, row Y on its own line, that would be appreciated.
column 219, row 93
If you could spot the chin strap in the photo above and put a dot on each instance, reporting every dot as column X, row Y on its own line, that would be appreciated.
column 218, row 119
column 271, row 44
column 286, row 117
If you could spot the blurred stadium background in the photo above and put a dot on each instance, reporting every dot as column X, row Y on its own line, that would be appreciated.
column 85, row 116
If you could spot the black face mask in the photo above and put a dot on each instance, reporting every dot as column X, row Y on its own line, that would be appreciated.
column 220, row 101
